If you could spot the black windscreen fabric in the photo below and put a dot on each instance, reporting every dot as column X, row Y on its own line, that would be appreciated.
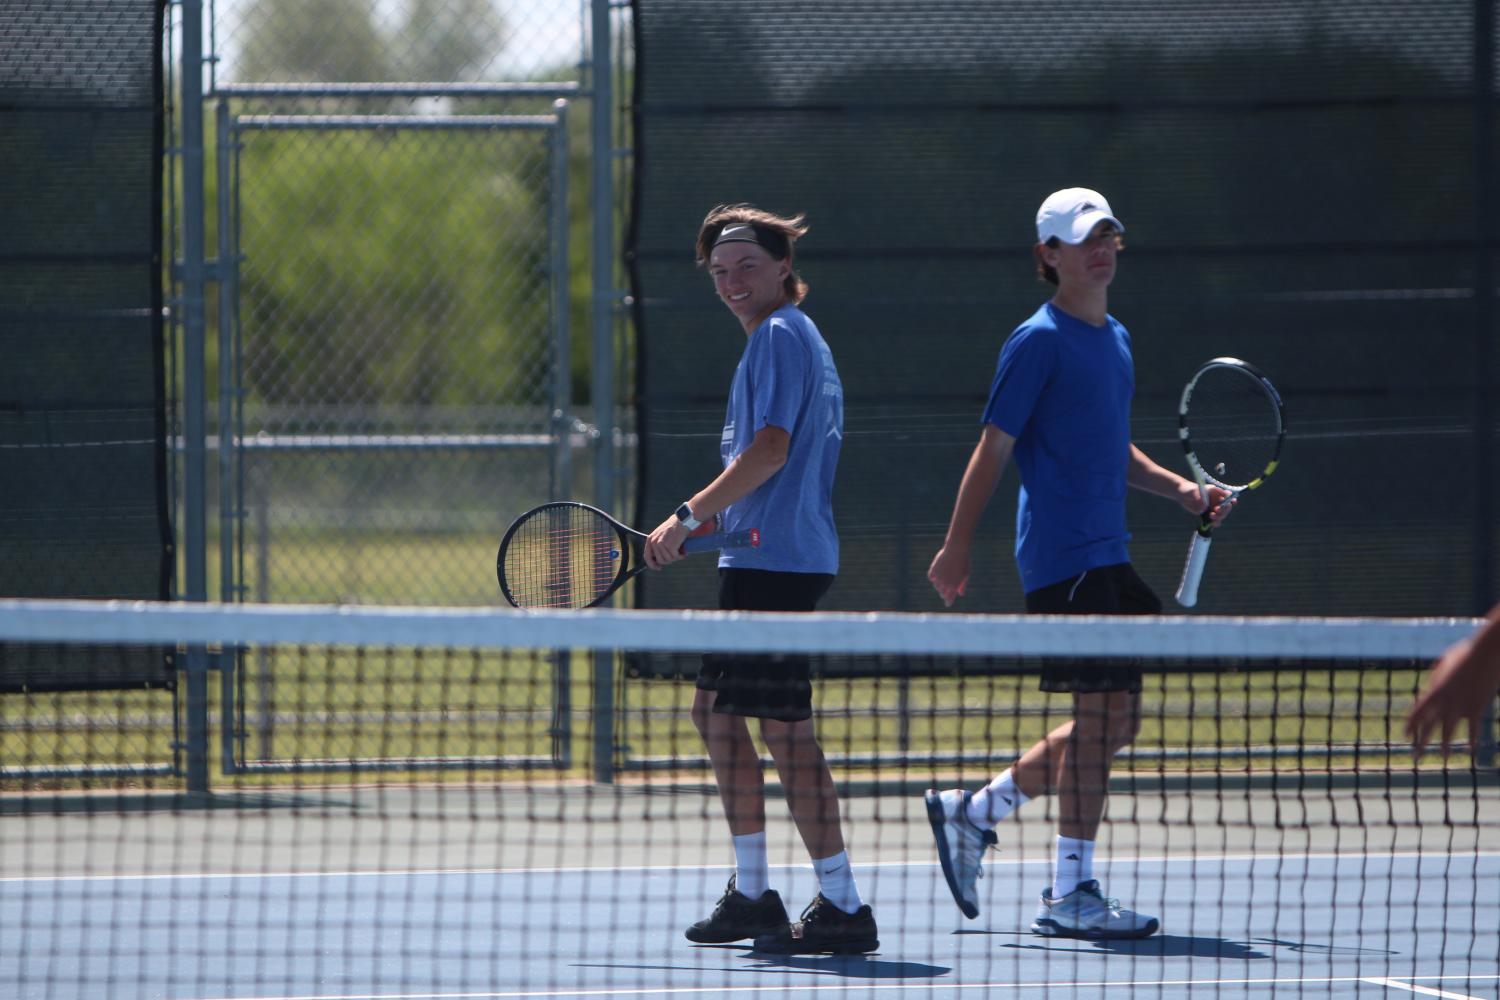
column 1299, row 186
column 83, row 481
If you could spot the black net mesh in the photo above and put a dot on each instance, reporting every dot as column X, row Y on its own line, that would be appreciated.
column 83, row 485
column 1298, row 182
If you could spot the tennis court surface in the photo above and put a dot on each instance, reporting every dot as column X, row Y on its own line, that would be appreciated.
column 407, row 815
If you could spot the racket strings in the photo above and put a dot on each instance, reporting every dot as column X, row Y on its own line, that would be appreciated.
column 562, row 558
column 1233, row 426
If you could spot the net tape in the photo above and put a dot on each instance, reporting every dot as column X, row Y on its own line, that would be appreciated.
column 130, row 622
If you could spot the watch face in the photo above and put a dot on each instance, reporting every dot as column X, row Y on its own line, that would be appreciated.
column 684, row 513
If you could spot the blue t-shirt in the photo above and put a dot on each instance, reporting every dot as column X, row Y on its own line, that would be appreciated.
column 786, row 379
column 1063, row 389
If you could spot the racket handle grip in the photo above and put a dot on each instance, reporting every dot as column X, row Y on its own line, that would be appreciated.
column 710, row 543
column 1192, row 570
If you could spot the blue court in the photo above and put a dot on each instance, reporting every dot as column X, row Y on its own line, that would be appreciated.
column 1364, row 924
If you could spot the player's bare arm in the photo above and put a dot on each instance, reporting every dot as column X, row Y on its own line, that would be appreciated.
column 1143, row 474
column 753, row 467
column 949, row 572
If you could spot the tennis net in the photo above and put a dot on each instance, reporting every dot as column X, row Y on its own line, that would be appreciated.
column 458, row 802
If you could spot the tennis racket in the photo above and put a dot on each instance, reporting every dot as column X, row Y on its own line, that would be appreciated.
column 571, row 555
column 1232, row 425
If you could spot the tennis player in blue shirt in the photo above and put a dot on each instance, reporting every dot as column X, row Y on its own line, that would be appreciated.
column 783, row 429
column 1060, row 405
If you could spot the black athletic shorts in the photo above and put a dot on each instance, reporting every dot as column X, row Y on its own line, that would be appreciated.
column 1107, row 590
column 764, row 686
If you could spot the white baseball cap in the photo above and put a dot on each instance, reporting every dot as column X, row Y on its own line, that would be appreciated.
column 1071, row 214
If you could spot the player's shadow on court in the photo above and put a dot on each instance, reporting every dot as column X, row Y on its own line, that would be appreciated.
column 1156, row 946
column 1324, row 949
column 852, row 966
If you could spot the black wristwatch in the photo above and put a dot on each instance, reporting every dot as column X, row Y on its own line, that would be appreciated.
column 685, row 517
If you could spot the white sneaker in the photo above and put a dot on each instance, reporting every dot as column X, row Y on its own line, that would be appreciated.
column 960, row 845
column 1086, row 913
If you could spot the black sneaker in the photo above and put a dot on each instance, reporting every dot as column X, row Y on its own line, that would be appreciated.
column 737, row 917
column 824, row 929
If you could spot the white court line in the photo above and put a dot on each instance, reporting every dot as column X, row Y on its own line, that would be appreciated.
column 1166, row 859
column 868, row 987
column 1428, row 991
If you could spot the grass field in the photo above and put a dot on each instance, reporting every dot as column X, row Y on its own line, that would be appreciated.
column 376, row 704
column 352, row 705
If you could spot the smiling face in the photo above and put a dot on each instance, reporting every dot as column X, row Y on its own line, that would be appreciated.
column 748, row 280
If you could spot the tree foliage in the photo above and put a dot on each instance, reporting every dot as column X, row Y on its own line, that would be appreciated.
column 395, row 270
column 345, row 41
column 303, row 42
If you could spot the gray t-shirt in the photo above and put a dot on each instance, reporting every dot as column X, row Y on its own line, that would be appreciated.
column 786, row 378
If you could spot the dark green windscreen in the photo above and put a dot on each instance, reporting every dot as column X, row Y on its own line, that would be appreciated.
column 1301, row 188
column 83, row 484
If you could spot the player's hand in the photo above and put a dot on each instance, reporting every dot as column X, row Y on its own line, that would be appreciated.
column 664, row 545
column 949, row 574
column 1220, row 501
column 1459, row 688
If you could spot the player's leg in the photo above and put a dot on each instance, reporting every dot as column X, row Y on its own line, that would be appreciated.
column 1107, row 714
column 837, row 920
column 777, row 690
column 737, row 771
column 811, row 795
column 749, row 907
column 1074, row 905
column 1104, row 723
column 962, row 822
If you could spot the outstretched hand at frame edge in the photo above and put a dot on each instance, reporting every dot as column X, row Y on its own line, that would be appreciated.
column 1461, row 685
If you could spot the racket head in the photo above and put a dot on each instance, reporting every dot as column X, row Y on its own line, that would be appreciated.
column 1232, row 423
column 562, row 555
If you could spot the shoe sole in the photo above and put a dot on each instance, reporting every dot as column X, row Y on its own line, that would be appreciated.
column 1051, row 928
column 719, row 939
column 939, row 820
column 861, row 947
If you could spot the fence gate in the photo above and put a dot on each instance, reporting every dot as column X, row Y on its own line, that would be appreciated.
column 394, row 343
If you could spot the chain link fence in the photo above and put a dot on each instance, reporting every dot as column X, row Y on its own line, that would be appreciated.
column 401, row 349
column 384, row 41
column 392, row 369
column 393, row 194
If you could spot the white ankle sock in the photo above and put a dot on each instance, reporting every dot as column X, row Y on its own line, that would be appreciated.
column 836, row 882
column 995, row 801
column 1075, row 864
column 752, row 873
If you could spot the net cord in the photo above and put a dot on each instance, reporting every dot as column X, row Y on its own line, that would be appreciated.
column 874, row 633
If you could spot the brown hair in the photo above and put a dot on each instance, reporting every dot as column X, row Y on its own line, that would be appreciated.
column 774, row 233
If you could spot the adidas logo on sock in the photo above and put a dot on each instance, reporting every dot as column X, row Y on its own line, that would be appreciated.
column 1008, row 802
column 1072, row 857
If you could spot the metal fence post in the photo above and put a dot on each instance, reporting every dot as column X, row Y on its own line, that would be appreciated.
column 1486, row 375
column 194, row 397
column 229, row 509
column 563, row 420
column 602, row 223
